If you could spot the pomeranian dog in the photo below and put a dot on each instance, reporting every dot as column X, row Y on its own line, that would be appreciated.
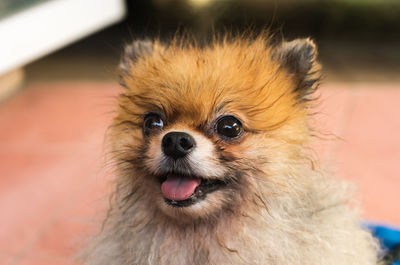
column 210, row 143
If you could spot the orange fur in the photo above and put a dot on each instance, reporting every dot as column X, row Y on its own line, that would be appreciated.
column 276, row 208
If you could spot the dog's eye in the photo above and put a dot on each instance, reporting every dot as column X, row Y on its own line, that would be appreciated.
column 152, row 123
column 229, row 126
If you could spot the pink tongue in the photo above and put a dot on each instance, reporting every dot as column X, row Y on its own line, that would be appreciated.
column 179, row 188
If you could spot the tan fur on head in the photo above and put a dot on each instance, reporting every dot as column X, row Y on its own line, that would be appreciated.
column 274, row 208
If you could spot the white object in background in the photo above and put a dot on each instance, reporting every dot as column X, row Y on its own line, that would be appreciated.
column 39, row 30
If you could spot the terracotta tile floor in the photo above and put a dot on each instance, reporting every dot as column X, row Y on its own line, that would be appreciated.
column 54, row 185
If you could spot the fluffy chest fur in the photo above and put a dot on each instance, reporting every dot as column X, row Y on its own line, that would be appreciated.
column 314, row 226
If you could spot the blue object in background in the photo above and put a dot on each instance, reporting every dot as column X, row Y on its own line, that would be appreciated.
column 389, row 237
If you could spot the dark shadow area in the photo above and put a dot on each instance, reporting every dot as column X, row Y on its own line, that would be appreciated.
column 358, row 40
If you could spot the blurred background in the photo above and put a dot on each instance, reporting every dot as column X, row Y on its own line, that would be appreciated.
column 58, row 85
column 358, row 39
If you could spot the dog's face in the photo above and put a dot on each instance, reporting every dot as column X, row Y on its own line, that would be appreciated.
column 199, row 130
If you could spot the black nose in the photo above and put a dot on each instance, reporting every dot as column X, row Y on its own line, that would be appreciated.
column 177, row 144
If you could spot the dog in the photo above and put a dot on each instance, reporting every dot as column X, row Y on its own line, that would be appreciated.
column 210, row 145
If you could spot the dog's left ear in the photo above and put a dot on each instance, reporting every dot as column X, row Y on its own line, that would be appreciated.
column 299, row 58
column 133, row 52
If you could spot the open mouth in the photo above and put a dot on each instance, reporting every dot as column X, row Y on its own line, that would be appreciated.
column 182, row 191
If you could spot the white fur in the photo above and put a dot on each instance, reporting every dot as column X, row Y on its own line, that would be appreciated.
column 202, row 160
column 309, row 224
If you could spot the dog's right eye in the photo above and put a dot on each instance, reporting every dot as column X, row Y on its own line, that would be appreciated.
column 152, row 123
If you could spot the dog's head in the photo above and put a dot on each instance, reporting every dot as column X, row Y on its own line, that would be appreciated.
column 200, row 129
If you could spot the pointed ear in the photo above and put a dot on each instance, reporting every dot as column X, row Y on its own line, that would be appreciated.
column 133, row 52
column 299, row 57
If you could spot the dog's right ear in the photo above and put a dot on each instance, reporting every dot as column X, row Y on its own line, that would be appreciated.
column 133, row 52
column 299, row 58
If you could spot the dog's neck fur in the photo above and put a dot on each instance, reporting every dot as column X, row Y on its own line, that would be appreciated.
column 287, row 232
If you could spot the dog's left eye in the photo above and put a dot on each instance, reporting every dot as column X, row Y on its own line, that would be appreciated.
column 229, row 127
column 152, row 123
